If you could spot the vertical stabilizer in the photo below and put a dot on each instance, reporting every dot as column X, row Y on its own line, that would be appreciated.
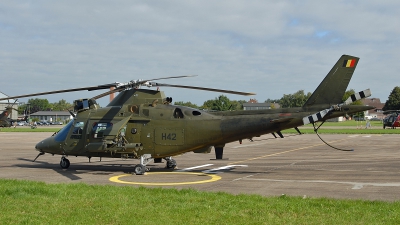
column 331, row 90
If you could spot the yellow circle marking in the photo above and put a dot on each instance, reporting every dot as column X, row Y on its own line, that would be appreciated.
column 213, row 178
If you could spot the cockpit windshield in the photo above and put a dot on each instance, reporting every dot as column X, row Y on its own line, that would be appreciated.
column 62, row 134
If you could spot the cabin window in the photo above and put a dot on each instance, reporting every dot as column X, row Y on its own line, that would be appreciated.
column 98, row 129
column 78, row 130
column 196, row 113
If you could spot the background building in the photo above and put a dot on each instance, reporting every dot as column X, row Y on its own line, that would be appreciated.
column 254, row 105
column 52, row 116
column 374, row 113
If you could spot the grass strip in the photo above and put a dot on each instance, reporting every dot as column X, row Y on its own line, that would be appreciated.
column 352, row 123
column 28, row 129
column 29, row 202
column 343, row 131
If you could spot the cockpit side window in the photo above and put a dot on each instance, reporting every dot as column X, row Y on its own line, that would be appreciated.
column 98, row 129
column 178, row 113
column 78, row 130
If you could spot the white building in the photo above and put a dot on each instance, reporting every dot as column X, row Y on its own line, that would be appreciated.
column 52, row 116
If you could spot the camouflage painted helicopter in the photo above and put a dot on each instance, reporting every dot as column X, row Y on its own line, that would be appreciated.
column 5, row 121
column 143, row 124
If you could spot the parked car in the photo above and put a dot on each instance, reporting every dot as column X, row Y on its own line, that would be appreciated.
column 356, row 118
column 43, row 123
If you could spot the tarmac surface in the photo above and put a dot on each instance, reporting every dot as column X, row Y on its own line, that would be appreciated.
column 297, row 165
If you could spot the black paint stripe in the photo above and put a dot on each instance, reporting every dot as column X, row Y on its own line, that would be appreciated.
column 319, row 116
column 362, row 95
column 353, row 98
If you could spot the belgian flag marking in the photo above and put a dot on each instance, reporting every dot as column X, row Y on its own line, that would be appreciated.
column 349, row 63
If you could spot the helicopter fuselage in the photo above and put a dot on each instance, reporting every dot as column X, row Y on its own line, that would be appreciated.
column 142, row 126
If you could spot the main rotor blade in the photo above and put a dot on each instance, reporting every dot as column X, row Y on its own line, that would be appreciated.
column 136, row 84
column 108, row 93
column 92, row 88
column 201, row 88
column 164, row 78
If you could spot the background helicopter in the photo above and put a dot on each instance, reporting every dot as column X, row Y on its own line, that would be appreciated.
column 5, row 121
column 392, row 119
column 142, row 123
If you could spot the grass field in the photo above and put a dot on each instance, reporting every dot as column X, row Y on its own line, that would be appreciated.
column 28, row 202
column 28, row 129
column 346, row 127
column 352, row 123
column 343, row 131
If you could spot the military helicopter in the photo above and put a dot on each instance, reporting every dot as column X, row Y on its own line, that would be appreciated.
column 4, row 120
column 392, row 120
column 143, row 124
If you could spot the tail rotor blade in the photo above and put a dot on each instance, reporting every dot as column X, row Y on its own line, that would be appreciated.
column 321, row 114
column 357, row 96
column 315, row 117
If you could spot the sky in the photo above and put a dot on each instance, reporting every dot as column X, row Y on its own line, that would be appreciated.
column 270, row 48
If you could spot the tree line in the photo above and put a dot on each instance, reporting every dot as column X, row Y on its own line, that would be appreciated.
column 38, row 104
column 393, row 102
column 221, row 103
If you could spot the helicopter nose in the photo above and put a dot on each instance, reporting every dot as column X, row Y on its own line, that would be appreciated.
column 43, row 145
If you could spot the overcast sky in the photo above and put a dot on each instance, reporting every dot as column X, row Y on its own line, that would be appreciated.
column 267, row 47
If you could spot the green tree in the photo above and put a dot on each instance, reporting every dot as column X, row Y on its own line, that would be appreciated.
column 272, row 100
column 188, row 104
column 39, row 104
column 222, row 103
column 393, row 102
column 237, row 105
column 294, row 100
column 61, row 105
column 35, row 105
